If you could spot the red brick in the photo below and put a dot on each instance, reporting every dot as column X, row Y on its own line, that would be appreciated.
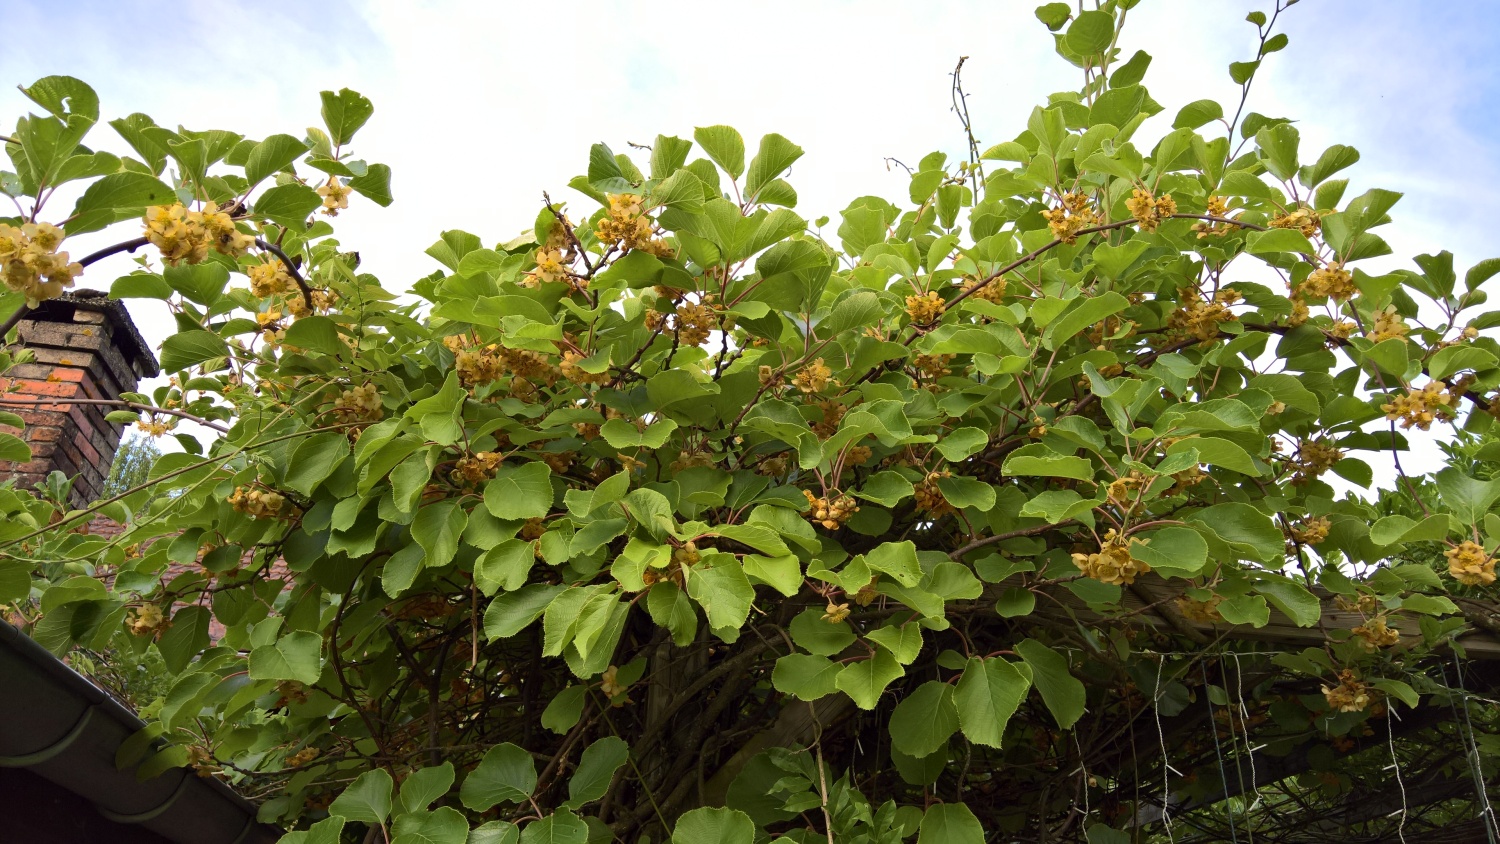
column 86, row 449
column 43, row 434
column 31, row 387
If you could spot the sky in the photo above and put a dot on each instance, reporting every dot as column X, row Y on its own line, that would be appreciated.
column 482, row 106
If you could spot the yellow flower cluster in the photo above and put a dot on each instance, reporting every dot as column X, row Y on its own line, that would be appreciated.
column 1123, row 491
column 1113, row 562
column 929, row 498
column 1217, row 206
column 1375, row 634
column 1150, row 211
column 1388, row 324
column 31, row 264
column 148, row 619
column 1350, row 695
column 476, row 469
column 1304, row 220
column 933, row 366
column 1205, row 612
column 1202, row 318
column 550, row 266
column 1329, row 282
column 835, row 613
column 335, row 196
column 484, row 365
column 1419, row 408
column 1312, row 531
column 302, row 757
column 270, row 279
column 257, row 503
column 1070, row 218
column 184, row 235
column 992, row 290
column 1313, row 458
column 1469, row 565
column 831, row 513
column 695, row 322
column 924, row 308
column 154, row 428
column 628, row 225
column 359, row 404
column 1186, row 480
column 814, row 378
column 833, row 412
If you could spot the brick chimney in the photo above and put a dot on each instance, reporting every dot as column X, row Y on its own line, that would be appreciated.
column 85, row 347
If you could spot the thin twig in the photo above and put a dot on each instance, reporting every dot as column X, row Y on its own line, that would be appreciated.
column 145, row 408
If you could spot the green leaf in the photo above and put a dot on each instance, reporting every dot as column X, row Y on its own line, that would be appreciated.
column 495, row 832
column 187, row 349
column 1247, row 531
column 887, row 488
column 723, row 591
column 1173, row 551
column 1392, row 529
column 506, row 774
column 344, row 113
column 563, row 712
column 288, row 205
column 1060, row 690
column 960, row 444
column 445, row 826
column 425, row 785
column 924, row 720
column 520, row 492
column 1197, row 113
column 295, row 656
column 326, row 831
column 1043, row 463
column 1333, row 159
column 897, row 559
column 1057, row 505
column 1131, row 72
column 316, row 333
column 1245, row 609
column 950, row 823
column 775, row 156
column 725, row 146
column 1090, row 33
column 817, row 636
column 64, row 96
column 988, row 693
column 513, row 612
column 1015, row 602
column 115, row 197
column 714, row 826
column 1278, row 240
column 1468, row 498
column 1398, row 689
column 1054, row 15
column 14, row 449
column 806, row 676
column 203, row 283
column 15, row 575
column 963, row 492
column 1292, row 598
column 374, row 184
column 140, row 285
column 858, row 310
column 864, row 681
column 1453, row 359
column 596, row 767
column 314, row 460
column 622, row 435
column 187, row 636
column 437, row 528
column 271, row 156
column 367, row 799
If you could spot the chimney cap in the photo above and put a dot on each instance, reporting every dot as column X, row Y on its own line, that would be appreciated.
column 127, row 337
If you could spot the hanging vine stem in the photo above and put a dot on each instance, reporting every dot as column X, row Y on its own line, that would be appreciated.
column 961, row 108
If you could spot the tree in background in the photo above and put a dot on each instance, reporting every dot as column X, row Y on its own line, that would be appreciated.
column 132, row 464
column 999, row 512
